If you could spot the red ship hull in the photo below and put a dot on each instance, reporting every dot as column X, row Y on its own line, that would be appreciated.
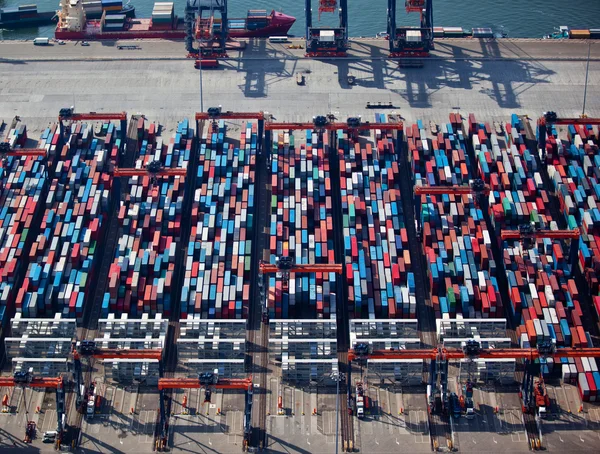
column 279, row 25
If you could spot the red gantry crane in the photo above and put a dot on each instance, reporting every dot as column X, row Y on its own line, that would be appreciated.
column 551, row 118
column 26, row 379
column 207, row 381
column 90, row 349
column 527, row 233
column 69, row 114
column 216, row 113
column 284, row 267
column 411, row 42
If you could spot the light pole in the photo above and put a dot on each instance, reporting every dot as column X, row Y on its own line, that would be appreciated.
column 587, row 70
column 200, row 67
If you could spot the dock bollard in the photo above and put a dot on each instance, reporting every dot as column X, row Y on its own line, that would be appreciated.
column 401, row 411
column 37, row 410
column 131, row 411
column 314, row 413
column 581, row 408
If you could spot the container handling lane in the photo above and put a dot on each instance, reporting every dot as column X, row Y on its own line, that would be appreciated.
column 258, row 330
column 343, row 324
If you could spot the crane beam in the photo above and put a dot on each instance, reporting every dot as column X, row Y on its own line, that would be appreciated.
column 194, row 383
column 231, row 116
column 570, row 121
column 492, row 353
column 455, row 190
column 269, row 126
column 121, row 116
column 40, row 152
column 119, row 353
column 552, row 234
column 34, row 382
column 266, row 268
column 162, row 173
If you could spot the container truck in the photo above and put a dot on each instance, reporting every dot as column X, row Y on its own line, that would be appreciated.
column 360, row 401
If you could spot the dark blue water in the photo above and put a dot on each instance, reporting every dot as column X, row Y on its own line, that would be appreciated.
column 518, row 18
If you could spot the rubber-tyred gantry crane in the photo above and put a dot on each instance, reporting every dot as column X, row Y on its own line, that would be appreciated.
column 407, row 42
column 28, row 380
column 69, row 114
column 477, row 188
column 90, row 349
column 527, row 233
column 285, row 266
column 217, row 113
column 323, row 123
column 206, row 381
column 327, row 41
column 6, row 151
column 551, row 118
column 154, row 170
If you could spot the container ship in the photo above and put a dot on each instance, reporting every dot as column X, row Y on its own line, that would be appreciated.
column 74, row 23
column 24, row 16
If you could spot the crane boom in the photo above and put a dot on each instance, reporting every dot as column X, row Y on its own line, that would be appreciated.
column 270, row 126
column 69, row 114
column 218, row 113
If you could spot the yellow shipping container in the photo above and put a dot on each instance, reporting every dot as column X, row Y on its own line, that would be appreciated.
column 579, row 34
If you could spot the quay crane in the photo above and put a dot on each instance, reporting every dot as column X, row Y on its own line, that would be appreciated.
column 210, row 32
column 409, row 42
column 206, row 381
column 26, row 379
column 285, row 266
column 322, row 42
column 527, row 233
column 69, row 115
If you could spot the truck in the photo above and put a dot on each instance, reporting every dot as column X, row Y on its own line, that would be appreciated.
column 360, row 400
column 455, row 406
column 90, row 407
column 541, row 399
column 41, row 41
column 468, row 400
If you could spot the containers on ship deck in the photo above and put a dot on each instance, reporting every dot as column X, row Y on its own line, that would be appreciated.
column 23, row 190
column 218, row 262
column 301, row 225
column 460, row 267
column 64, row 253
column 141, row 279
column 380, row 283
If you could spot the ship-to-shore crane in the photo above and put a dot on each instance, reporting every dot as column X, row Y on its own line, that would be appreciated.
column 284, row 267
column 25, row 379
column 322, row 42
column 546, row 121
column 206, row 381
column 411, row 42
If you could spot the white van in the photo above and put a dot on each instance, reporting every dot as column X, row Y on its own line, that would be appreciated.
column 41, row 41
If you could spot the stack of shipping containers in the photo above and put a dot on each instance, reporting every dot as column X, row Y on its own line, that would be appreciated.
column 378, row 266
column 460, row 267
column 23, row 190
column 218, row 262
column 141, row 279
column 63, row 256
column 301, row 224
column 573, row 162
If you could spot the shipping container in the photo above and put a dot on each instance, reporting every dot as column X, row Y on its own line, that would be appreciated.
column 378, row 264
column 301, row 224
column 142, row 274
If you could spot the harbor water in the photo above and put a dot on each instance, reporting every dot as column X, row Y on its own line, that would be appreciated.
column 513, row 17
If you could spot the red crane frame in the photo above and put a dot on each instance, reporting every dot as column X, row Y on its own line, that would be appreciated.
column 553, row 234
column 316, row 268
column 36, row 382
column 270, row 126
column 456, row 190
column 194, row 383
column 163, row 173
